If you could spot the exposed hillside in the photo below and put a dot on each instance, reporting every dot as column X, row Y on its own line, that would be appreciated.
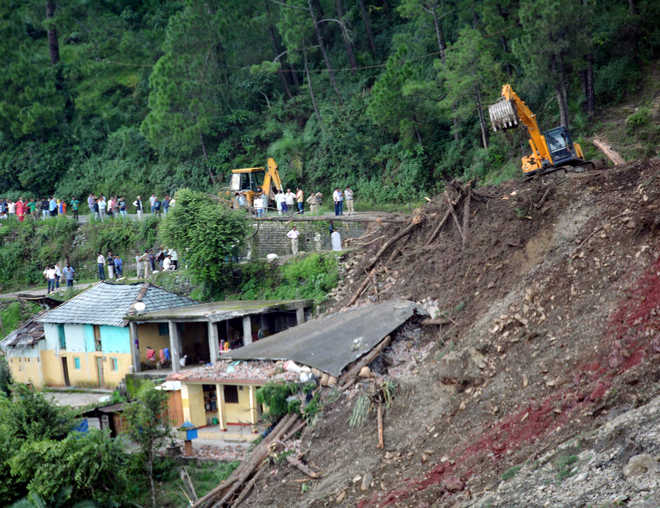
column 538, row 382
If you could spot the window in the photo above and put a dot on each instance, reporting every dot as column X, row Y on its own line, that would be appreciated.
column 76, row 362
column 61, row 336
column 114, row 363
column 231, row 394
column 163, row 329
column 97, row 338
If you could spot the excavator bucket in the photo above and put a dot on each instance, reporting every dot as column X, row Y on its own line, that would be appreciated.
column 503, row 115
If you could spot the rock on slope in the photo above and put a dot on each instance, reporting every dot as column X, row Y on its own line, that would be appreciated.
column 548, row 328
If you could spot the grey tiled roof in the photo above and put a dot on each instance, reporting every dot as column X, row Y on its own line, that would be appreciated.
column 108, row 304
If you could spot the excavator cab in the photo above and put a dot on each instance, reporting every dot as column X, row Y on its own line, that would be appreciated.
column 561, row 146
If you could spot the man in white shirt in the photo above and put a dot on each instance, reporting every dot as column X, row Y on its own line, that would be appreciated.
column 338, row 198
column 279, row 200
column 152, row 200
column 49, row 272
column 102, row 206
column 289, row 199
column 335, row 239
column 100, row 261
column 293, row 236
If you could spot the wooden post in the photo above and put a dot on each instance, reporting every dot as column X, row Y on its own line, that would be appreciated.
column 381, row 444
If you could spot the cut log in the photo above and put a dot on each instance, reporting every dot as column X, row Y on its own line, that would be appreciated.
column 453, row 214
column 293, row 431
column 248, row 487
column 227, row 489
column 542, row 200
column 609, row 152
column 381, row 443
column 438, row 227
column 362, row 287
column 440, row 322
column 302, row 467
column 413, row 224
column 348, row 378
column 466, row 217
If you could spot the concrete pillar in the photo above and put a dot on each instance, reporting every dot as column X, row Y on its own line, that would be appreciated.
column 135, row 352
column 300, row 315
column 253, row 407
column 175, row 345
column 214, row 348
column 220, row 396
column 247, row 330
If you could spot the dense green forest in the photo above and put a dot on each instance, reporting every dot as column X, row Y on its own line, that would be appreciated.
column 389, row 96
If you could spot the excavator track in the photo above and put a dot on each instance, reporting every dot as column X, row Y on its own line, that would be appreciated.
column 577, row 167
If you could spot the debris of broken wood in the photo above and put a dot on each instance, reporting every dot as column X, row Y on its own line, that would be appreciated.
column 349, row 377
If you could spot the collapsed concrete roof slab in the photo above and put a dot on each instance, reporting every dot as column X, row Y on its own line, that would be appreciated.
column 331, row 342
column 221, row 311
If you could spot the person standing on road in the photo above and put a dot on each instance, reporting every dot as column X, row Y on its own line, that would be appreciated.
column 152, row 201
column 20, row 209
column 91, row 201
column 75, row 204
column 289, row 200
column 49, row 272
column 138, row 207
column 166, row 204
column 174, row 256
column 300, row 200
column 293, row 236
column 68, row 273
column 348, row 199
column 338, row 199
column 44, row 208
column 314, row 201
column 100, row 261
column 122, row 207
column 279, row 201
column 119, row 266
column 111, row 265
column 58, row 275
column 102, row 207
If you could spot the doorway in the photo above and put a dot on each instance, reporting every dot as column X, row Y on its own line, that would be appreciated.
column 99, row 368
column 65, row 370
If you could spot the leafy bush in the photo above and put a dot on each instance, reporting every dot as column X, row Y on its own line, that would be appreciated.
column 638, row 120
column 274, row 396
column 312, row 276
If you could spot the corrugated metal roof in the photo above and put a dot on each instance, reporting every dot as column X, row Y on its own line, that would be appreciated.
column 332, row 342
column 108, row 304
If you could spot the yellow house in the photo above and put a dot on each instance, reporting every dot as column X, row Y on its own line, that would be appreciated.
column 87, row 339
column 22, row 348
column 221, row 399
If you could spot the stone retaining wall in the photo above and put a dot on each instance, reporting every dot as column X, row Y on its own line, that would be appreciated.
column 270, row 237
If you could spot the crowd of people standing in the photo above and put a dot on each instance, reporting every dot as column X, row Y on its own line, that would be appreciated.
column 35, row 208
column 290, row 203
column 99, row 206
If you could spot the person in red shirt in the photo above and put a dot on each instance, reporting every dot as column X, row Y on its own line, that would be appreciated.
column 20, row 209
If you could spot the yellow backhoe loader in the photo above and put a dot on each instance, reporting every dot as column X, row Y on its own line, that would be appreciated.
column 551, row 150
column 247, row 180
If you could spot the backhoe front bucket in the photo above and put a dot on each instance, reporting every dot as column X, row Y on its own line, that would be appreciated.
column 503, row 115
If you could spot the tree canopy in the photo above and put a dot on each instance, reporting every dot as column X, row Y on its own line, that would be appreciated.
column 138, row 96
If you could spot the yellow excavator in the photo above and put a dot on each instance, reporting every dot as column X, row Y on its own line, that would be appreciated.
column 246, row 180
column 551, row 150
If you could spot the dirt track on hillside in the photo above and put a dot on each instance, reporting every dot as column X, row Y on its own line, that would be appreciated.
column 549, row 323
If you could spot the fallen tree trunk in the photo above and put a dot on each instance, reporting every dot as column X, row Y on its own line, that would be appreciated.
column 381, row 443
column 249, row 487
column 415, row 222
column 610, row 152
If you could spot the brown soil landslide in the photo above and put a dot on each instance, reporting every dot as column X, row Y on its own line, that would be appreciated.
column 545, row 325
